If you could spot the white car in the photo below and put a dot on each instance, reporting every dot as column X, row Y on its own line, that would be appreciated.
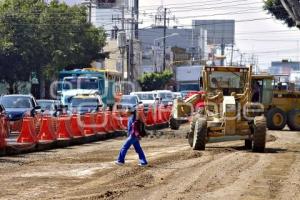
column 165, row 96
column 177, row 95
column 148, row 98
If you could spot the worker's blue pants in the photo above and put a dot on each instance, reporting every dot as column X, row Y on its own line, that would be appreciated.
column 131, row 140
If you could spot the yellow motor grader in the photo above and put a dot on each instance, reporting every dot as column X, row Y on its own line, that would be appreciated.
column 227, row 114
column 280, row 99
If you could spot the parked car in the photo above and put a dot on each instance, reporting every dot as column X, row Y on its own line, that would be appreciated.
column 49, row 106
column 148, row 98
column 129, row 101
column 85, row 104
column 177, row 95
column 165, row 97
column 17, row 106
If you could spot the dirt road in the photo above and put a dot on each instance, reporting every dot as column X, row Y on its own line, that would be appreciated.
column 225, row 170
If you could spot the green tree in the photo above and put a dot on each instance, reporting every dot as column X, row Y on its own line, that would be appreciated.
column 41, row 37
column 287, row 11
column 155, row 81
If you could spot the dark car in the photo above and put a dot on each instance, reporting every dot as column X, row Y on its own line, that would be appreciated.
column 85, row 104
column 17, row 106
column 48, row 106
column 129, row 101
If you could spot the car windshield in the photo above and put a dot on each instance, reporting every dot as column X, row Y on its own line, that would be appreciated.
column 46, row 105
column 16, row 102
column 84, row 102
column 80, row 83
column 165, row 95
column 128, row 100
column 145, row 96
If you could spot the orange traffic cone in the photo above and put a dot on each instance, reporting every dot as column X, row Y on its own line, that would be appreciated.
column 63, row 130
column 27, row 134
column 47, row 131
column 76, row 130
column 88, row 124
column 150, row 119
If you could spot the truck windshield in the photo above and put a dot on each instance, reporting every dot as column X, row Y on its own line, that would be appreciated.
column 80, row 83
column 84, row 102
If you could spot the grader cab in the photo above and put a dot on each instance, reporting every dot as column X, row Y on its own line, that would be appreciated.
column 226, row 115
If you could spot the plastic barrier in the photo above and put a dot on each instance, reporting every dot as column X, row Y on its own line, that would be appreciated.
column 150, row 118
column 117, row 126
column 88, row 124
column 47, row 131
column 76, row 130
column 63, row 131
column 3, row 131
column 108, row 124
column 27, row 134
column 100, row 123
column 124, row 120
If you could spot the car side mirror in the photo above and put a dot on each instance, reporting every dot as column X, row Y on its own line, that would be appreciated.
column 140, row 102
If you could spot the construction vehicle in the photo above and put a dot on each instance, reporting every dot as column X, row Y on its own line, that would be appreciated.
column 182, row 109
column 280, row 100
column 227, row 110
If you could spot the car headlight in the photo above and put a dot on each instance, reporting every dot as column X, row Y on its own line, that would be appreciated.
column 230, row 108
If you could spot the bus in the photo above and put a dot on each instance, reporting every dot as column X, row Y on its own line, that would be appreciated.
column 89, row 81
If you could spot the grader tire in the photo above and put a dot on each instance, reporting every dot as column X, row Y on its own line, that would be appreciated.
column 174, row 124
column 200, row 134
column 259, row 134
column 248, row 144
column 276, row 119
column 190, row 135
column 294, row 120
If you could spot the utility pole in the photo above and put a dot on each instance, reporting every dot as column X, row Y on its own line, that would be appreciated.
column 131, row 56
column 222, row 52
column 136, row 12
column 231, row 55
column 165, row 32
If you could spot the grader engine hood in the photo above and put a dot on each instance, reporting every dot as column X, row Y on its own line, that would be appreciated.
column 229, row 114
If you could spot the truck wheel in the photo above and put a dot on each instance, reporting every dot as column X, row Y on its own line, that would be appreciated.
column 174, row 124
column 259, row 134
column 293, row 120
column 276, row 119
column 248, row 144
column 200, row 134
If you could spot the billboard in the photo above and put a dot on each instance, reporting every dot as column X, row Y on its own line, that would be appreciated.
column 218, row 31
